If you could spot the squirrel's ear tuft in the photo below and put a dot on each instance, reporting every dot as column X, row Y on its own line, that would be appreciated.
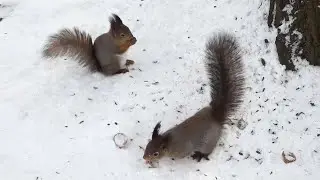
column 117, row 19
column 156, row 129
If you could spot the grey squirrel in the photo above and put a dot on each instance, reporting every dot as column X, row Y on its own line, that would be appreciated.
column 102, row 55
column 198, row 135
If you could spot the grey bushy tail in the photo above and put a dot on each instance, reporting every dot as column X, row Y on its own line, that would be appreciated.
column 72, row 43
column 226, row 73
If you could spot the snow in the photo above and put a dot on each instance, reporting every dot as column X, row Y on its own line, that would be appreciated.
column 58, row 120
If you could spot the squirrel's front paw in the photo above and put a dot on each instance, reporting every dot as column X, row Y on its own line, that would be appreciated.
column 129, row 62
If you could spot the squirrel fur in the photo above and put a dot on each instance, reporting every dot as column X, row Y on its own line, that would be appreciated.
column 102, row 55
column 198, row 135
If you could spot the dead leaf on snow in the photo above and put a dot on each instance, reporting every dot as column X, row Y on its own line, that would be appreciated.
column 288, row 157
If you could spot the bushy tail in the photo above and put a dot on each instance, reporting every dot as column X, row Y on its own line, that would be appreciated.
column 72, row 43
column 226, row 73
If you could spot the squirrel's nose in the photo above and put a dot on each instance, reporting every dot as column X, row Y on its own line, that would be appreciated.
column 146, row 157
column 133, row 40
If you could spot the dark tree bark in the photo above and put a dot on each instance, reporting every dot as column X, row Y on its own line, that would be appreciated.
column 306, row 15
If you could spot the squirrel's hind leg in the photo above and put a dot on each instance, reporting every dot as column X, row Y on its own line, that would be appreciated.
column 208, row 144
column 121, row 71
column 113, row 69
column 199, row 155
column 205, row 150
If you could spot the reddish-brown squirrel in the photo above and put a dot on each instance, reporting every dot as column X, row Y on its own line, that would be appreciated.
column 198, row 135
column 102, row 55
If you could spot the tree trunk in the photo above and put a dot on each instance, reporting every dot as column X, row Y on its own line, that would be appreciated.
column 301, row 38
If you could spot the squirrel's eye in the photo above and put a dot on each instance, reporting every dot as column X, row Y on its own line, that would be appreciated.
column 122, row 35
column 156, row 154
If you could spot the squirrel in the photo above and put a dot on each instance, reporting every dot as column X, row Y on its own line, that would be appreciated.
column 103, row 55
column 198, row 135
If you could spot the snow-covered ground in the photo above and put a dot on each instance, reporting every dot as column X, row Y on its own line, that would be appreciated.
column 57, row 120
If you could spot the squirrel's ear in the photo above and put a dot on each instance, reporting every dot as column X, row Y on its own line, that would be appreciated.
column 112, row 25
column 156, row 129
column 117, row 19
column 115, row 23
